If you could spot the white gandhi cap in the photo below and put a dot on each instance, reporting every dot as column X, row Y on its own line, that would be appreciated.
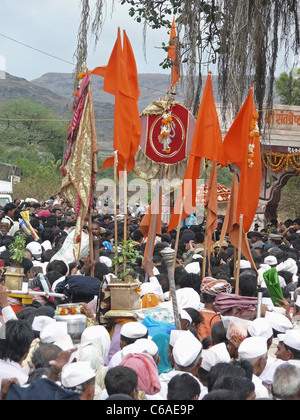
column 53, row 332
column 260, row 327
column 253, row 347
column 186, row 349
column 133, row 330
column 76, row 373
column 292, row 339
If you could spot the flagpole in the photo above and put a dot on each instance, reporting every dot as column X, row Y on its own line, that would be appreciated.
column 237, row 282
column 178, row 233
column 151, row 237
column 125, row 211
column 156, row 212
column 91, row 246
column 115, row 208
column 204, row 256
column 235, row 261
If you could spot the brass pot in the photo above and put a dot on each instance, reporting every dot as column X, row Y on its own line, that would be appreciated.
column 124, row 296
column 14, row 277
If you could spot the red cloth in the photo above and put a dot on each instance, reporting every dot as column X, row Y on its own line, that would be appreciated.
column 121, row 80
column 173, row 55
column 145, row 367
column 236, row 149
column 207, row 143
column 211, row 205
column 147, row 225
column 231, row 224
column 225, row 302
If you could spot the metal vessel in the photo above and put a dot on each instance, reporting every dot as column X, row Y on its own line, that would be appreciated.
column 76, row 323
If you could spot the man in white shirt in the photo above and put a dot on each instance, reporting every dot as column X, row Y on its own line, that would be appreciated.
column 9, row 211
column 255, row 351
column 187, row 356
column 16, row 337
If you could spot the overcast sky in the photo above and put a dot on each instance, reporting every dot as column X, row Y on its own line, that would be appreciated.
column 52, row 26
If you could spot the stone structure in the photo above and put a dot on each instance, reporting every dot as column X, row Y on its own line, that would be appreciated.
column 280, row 148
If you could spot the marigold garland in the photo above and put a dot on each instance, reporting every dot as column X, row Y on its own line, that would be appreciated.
column 164, row 136
column 276, row 161
column 254, row 133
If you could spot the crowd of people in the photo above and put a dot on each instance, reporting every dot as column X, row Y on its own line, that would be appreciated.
column 232, row 345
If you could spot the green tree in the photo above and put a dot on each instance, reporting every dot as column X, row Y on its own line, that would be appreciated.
column 288, row 88
column 30, row 126
column 288, row 207
column 39, row 180
column 243, row 38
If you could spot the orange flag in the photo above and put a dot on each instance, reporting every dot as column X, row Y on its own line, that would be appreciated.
column 242, row 147
column 211, row 205
column 121, row 80
column 231, row 224
column 151, row 225
column 173, row 55
column 207, row 143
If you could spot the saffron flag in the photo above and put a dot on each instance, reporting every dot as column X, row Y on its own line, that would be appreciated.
column 211, row 205
column 207, row 143
column 231, row 224
column 80, row 161
column 151, row 224
column 242, row 148
column 121, row 80
column 173, row 55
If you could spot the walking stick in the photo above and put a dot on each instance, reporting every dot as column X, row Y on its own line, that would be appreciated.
column 168, row 257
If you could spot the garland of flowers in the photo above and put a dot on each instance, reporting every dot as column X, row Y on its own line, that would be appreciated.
column 276, row 161
column 254, row 133
column 164, row 136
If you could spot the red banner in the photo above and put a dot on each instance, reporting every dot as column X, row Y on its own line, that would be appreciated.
column 176, row 145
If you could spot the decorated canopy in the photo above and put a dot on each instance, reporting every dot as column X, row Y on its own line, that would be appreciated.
column 223, row 194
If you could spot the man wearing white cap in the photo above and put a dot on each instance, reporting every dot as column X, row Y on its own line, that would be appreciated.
column 40, row 322
column 142, row 345
column 129, row 333
column 261, row 327
column 53, row 332
column 79, row 377
column 4, row 227
column 280, row 324
column 186, row 320
column 255, row 351
column 35, row 254
column 271, row 260
column 291, row 342
column 187, row 357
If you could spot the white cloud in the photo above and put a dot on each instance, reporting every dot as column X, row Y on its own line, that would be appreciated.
column 52, row 27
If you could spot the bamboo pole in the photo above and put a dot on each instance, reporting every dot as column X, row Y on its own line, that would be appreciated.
column 115, row 209
column 156, row 212
column 237, row 282
column 204, row 256
column 178, row 233
column 91, row 241
column 234, row 262
column 125, row 212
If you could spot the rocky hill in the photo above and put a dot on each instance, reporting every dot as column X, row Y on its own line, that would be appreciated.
column 152, row 86
column 55, row 91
